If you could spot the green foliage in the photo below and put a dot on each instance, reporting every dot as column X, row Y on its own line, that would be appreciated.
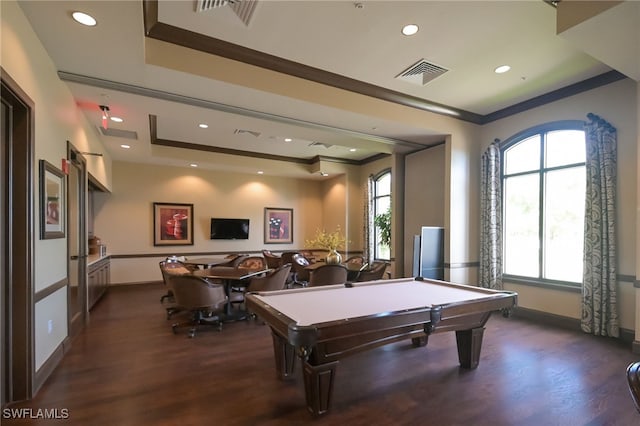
column 383, row 223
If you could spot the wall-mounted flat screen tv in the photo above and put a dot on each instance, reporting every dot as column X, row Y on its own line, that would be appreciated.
column 229, row 229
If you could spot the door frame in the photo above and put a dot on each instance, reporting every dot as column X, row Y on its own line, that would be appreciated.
column 77, row 322
column 18, row 306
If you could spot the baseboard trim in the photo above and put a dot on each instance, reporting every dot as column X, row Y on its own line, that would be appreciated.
column 567, row 323
column 50, row 364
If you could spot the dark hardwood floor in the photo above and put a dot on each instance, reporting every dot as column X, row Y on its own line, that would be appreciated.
column 128, row 368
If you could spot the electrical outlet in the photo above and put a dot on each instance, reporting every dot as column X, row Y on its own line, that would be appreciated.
column 50, row 326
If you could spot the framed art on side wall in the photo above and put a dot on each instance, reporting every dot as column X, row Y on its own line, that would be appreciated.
column 172, row 224
column 52, row 202
column 278, row 225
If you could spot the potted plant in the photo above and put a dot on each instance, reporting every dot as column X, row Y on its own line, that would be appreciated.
column 330, row 241
column 383, row 223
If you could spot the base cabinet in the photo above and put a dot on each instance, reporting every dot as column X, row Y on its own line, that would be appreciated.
column 99, row 277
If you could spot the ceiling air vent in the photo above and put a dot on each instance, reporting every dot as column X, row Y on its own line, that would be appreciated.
column 243, row 8
column 203, row 5
column 421, row 72
column 250, row 132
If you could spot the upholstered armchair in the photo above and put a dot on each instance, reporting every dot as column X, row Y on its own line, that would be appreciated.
column 203, row 299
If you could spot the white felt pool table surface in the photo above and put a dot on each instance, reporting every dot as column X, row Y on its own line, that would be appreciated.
column 315, row 305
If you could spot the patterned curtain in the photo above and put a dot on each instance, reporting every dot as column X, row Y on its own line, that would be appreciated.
column 599, row 301
column 368, row 228
column 490, row 273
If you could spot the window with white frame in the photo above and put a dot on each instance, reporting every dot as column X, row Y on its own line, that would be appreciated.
column 544, row 181
column 381, row 205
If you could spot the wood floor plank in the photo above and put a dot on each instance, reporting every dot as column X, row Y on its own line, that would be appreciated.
column 128, row 368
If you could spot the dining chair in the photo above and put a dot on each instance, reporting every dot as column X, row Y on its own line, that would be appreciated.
column 287, row 257
column 203, row 299
column 374, row 272
column 273, row 261
column 169, row 267
column 300, row 273
column 358, row 260
column 276, row 279
column 633, row 381
column 328, row 274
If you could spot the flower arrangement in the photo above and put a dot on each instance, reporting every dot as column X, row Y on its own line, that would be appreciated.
column 327, row 240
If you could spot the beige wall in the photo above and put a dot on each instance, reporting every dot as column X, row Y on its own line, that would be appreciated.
column 57, row 120
column 124, row 219
column 616, row 103
column 424, row 206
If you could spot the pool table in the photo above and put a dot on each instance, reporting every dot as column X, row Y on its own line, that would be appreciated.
column 321, row 325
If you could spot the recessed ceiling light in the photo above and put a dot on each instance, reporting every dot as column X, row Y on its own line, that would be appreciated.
column 203, row 126
column 287, row 139
column 324, row 174
column 502, row 69
column 84, row 19
column 125, row 146
column 410, row 29
column 260, row 172
column 117, row 119
column 193, row 165
column 352, row 149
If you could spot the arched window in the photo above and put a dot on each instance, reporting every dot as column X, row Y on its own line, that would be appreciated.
column 381, row 206
column 544, row 181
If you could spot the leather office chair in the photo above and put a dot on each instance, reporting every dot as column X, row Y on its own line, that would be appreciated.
column 271, row 259
column 300, row 274
column 375, row 272
column 170, row 267
column 201, row 298
column 235, row 259
column 633, row 380
column 327, row 275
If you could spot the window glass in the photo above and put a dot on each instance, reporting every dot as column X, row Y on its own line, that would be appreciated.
column 564, row 224
column 521, row 225
column 381, row 204
column 543, row 205
column 565, row 147
column 523, row 156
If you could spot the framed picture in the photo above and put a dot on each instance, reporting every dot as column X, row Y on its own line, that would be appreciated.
column 172, row 224
column 52, row 201
column 278, row 225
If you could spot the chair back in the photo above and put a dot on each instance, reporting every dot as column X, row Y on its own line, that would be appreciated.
column 375, row 272
column 327, row 275
column 235, row 259
column 287, row 257
column 300, row 262
column 274, row 280
column 633, row 381
column 357, row 260
column 193, row 293
column 173, row 267
column 271, row 259
column 252, row 262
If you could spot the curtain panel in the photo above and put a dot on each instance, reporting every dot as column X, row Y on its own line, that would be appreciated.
column 491, row 218
column 599, row 299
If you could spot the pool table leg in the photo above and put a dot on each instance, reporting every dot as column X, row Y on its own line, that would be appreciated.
column 285, row 356
column 469, row 346
column 318, row 386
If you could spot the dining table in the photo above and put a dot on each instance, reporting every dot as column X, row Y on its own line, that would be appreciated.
column 207, row 262
column 228, row 276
